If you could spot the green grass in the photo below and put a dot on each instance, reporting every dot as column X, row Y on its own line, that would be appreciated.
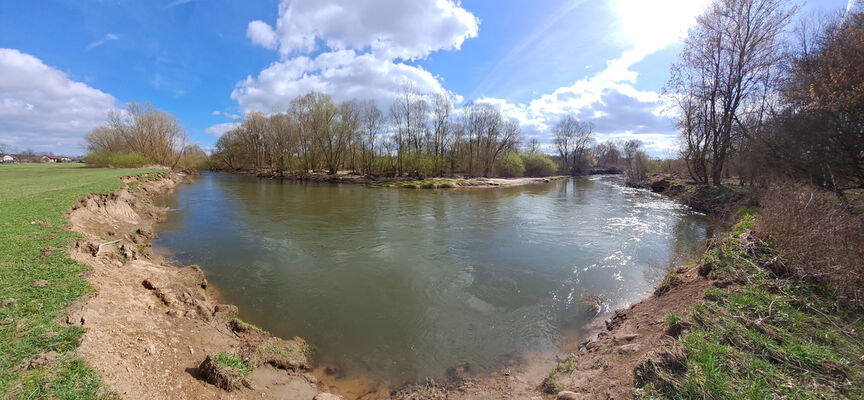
column 34, row 237
column 233, row 362
column 764, row 336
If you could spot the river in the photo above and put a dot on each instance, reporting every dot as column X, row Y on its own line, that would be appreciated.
column 400, row 284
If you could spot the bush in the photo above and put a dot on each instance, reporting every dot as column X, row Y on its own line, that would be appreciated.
column 510, row 166
column 538, row 165
column 814, row 227
column 113, row 159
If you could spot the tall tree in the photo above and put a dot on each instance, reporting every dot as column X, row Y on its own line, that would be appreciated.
column 727, row 62
column 571, row 139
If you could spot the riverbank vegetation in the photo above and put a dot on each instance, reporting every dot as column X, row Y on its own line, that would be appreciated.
column 39, row 280
column 142, row 135
column 781, row 111
column 420, row 136
column 770, row 326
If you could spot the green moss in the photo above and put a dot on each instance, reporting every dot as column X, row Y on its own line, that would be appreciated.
column 293, row 354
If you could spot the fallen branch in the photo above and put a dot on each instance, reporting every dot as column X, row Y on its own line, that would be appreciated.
column 99, row 250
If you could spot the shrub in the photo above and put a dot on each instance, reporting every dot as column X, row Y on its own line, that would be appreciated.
column 114, row 159
column 538, row 165
column 510, row 165
column 817, row 231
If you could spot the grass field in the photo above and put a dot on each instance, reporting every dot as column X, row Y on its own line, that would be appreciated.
column 34, row 237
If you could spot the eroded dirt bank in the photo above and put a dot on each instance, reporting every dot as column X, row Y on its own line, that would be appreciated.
column 151, row 325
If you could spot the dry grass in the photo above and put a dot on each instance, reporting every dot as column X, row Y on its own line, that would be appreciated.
column 823, row 238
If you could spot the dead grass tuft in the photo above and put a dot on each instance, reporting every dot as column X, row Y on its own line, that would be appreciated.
column 823, row 240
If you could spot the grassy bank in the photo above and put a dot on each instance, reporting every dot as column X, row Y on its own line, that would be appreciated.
column 38, row 281
column 758, row 333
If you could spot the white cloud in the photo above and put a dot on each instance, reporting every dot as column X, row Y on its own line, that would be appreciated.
column 342, row 74
column 176, row 3
column 220, row 129
column 41, row 108
column 262, row 34
column 394, row 28
column 102, row 41
column 366, row 44
column 225, row 114
column 609, row 98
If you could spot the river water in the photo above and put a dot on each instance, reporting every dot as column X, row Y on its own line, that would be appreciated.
column 400, row 284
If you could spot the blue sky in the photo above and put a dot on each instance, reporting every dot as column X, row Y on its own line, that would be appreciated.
column 64, row 64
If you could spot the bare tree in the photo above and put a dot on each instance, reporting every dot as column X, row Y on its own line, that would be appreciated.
column 572, row 137
column 142, row 129
column 442, row 105
column 372, row 122
column 533, row 146
column 724, row 68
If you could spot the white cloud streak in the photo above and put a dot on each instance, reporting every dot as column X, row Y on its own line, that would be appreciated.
column 109, row 37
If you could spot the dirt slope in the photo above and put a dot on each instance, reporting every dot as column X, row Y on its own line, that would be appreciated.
column 150, row 325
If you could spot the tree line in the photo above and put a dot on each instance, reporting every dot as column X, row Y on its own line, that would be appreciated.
column 420, row 135
column 141, row 135
column 760, row 101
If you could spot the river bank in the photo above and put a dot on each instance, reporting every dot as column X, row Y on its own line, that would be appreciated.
column 721, row 202
column 149, row 322
column 444, row 182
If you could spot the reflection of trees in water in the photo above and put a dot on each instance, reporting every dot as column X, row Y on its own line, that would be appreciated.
column 407, row 280
column 690, row 234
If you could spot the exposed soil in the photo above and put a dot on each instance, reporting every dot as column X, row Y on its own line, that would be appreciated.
column 150, row 325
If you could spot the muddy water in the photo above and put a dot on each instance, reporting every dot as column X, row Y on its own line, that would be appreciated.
column 398, row 284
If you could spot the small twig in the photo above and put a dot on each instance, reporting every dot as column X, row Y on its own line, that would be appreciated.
column 808, row 201
column 99, row 250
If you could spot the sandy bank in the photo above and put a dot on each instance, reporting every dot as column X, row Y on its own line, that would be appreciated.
column 406, row 182
column 150, row 325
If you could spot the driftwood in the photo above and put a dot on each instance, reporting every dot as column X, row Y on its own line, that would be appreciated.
column 99, row 250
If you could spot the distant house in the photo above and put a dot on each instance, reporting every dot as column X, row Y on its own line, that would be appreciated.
column 55, row 159
column 9, row 159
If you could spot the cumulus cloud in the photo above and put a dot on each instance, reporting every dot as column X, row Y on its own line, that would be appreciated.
column 394, row 28
column 262, row 34
column 368, row 44
column 42, row 108
column 343, row 74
